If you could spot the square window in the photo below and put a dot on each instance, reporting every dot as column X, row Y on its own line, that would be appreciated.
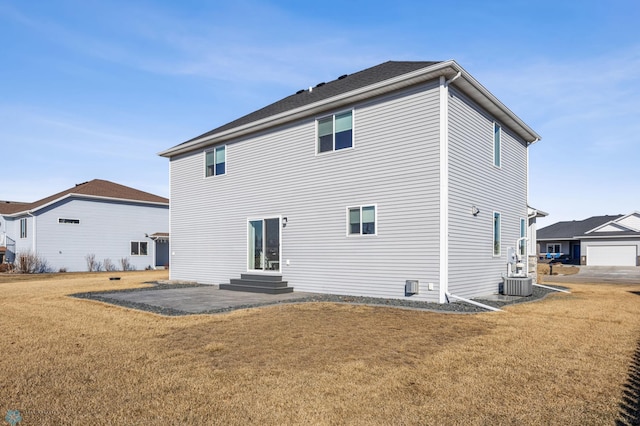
column 362, row 220
column 335, row 132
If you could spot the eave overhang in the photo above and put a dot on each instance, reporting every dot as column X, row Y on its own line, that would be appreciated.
column 465, row 83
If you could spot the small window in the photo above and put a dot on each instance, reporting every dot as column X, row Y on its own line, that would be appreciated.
column 496, row 234
column 215, row 161
column 523, row 234
column 138, row 248
column 23, row 228
column 362, row 220
column 70, row 221
column 554, row 248
column 497, row 145
column 335, row 132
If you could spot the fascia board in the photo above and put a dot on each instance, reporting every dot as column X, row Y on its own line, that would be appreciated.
column 614, row 223
column 89, row 197
column 447, row 68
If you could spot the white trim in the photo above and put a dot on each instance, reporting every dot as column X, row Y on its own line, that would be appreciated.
column 213, row 149
column 84, row 196
column 139, row 242
column 493, row 236
column 450, row 68
column 263, row 218
column 444, row 190
column 615, row 221
column 553, row 246
column 67, row 223
column 375, row 220
column 493, row 140
column 333, row 116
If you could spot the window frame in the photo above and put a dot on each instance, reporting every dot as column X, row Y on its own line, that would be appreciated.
column 23, row 228
column 497, row 145
column 554, row 245
column 497, row 231
column 361, row 223
column 523, row 234
column 333, row 125
column 214, row 150
column 67, row 221
column 139, row 245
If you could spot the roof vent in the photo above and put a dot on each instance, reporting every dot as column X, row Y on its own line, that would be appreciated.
column 320, row 84
column 299, row 91
column 343, row 76
column 78, row 184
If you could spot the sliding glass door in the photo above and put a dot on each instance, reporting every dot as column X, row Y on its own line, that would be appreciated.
column 264, row 244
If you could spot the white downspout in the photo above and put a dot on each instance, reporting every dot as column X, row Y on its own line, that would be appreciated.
column 444, row 186
column 473, row 302
column 35, row 247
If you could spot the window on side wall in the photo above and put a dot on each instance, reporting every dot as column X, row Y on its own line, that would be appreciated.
column 361, row 220
column 523, row 234
column 23, row 228
column 497, row 145
column 335, row 132
column 496, row 234
column 216, row 161
column 138, row 248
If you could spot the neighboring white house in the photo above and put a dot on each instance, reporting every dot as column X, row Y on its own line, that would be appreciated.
column 407, row 179
column 99, row 217
column 595, row 241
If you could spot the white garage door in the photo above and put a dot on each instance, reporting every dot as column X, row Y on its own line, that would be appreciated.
column 611, row 255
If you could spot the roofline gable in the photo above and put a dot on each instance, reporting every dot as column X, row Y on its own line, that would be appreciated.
column 85, row 196
column 466, row 83
column 616, row 222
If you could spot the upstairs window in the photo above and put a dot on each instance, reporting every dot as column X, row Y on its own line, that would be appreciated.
column 215, row 161
column 23, row 228
column 362, row 220
column 497, row 145
column 335, row 132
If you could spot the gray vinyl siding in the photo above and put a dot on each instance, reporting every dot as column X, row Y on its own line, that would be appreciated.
column 393, row 165
column 475, row 181
column 106, row 229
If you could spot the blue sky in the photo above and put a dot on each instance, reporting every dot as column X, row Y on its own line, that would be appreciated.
column 93, row 89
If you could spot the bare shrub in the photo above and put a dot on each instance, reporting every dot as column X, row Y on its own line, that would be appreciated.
column 28, row 262
column 62, row 270
column 91, row 262
column 126, row 264
column 109, row 266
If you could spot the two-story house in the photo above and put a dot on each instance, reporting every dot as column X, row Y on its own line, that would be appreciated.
column 407, row 179
column 112, row 222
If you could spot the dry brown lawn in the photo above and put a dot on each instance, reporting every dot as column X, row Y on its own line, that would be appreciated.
column 563, row 360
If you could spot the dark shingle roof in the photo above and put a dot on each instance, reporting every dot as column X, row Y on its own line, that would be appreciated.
column 343, row 84
column 95, row 188
column 573, row 228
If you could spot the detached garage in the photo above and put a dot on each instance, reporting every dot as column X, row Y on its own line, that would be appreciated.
column 612, row 255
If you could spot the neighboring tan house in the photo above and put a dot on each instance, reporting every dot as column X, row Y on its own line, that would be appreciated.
column 596, row 241
column 407, row 179
column 98, row 217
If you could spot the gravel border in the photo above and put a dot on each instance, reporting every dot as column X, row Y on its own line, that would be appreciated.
column 457, row 307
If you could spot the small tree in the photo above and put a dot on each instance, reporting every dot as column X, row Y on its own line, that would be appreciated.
column 126, row 264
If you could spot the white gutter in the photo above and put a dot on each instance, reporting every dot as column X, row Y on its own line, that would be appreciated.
column 468, row 84
column 90, row 197
column 473, row 302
